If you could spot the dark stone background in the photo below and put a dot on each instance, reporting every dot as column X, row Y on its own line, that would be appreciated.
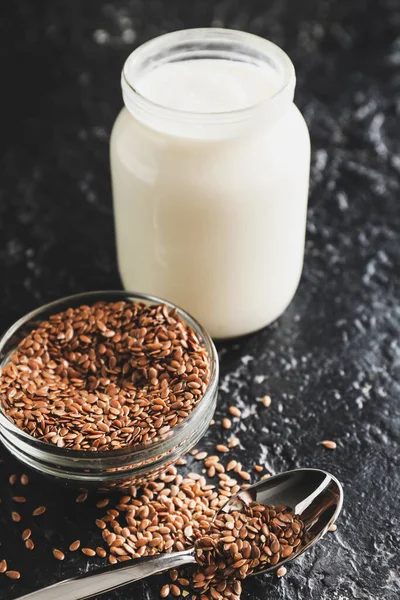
column 331, row 364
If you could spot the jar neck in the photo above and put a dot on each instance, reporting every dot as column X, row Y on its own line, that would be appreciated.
column 215, row 44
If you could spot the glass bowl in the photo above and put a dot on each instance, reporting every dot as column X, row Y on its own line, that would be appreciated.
column 109, row 469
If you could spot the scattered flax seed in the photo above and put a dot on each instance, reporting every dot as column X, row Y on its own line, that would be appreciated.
column 103, row 502
column 222, row 448
column 266, row 400
column 13, row 479
column 29, row 545
column 165, row 591
column 16, row 517
column 112, row 559
column 173, row 574
column 281, row 572
column 39, row 511
column 13, row 574
column 329, row 444
column 175, row 590
column 26, row 534
column 332, row 527
column 226, row 423
column 101, row 552
column 19, row 499
column 100, row 524
column 81, row 498
column 234, row 411
column 3, row 566
column 75, row 545
column 258, row 468
column 233, row 442
column 24, row 479
column 201, row 456
column 88, row 552
column 265, row 476
column 244, row 475
column 231, row 465
column 58, row 554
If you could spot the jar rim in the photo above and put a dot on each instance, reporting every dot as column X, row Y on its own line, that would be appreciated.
column 141, row 451
column 209, row 38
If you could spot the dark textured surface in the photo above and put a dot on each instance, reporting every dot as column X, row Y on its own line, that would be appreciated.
column 332, row 362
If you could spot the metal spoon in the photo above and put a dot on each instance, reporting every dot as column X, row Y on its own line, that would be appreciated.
column 313, row 494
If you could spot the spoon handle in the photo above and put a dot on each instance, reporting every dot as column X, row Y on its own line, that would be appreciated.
column 111, row 577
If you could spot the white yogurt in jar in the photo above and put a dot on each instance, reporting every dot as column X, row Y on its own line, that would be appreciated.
column 210, row 165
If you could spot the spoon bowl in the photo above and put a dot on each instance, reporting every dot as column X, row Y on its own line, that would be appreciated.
column 315, row 495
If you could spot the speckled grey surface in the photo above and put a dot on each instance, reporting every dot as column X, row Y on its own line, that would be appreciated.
column 332, row 362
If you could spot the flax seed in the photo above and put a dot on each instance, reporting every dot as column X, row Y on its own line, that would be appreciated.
column 165, row 590
column 329, row 444
column 201, row 455
column 39, row 511
column 222, row 448
column 26, row 534
column 24, row 479
column 226, row 423
column 100, row 524
column 74, row 546
column 58, row 554
column 19, row 499
column 103, row 502
column 88, row 552
column 332, row 527
column 13, row 479
column 16, row 517
column 281, row 572
column 81, row 498
column 29, row 545
column 3, row 566
column 13, row 574
column 234, row 411
column 101, row 552
column 175, row 590
column 233, row 442
column 266, row 400
column 168, row 370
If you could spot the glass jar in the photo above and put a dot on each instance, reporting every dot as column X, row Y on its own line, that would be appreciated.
column 112, row 469
column 210, row 205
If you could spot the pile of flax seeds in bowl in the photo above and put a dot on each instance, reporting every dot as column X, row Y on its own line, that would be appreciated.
column 116, row 374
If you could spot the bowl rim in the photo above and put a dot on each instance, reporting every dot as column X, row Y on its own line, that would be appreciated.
column 156, row 444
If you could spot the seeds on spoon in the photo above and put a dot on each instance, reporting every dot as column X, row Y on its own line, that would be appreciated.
column 261, row 541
